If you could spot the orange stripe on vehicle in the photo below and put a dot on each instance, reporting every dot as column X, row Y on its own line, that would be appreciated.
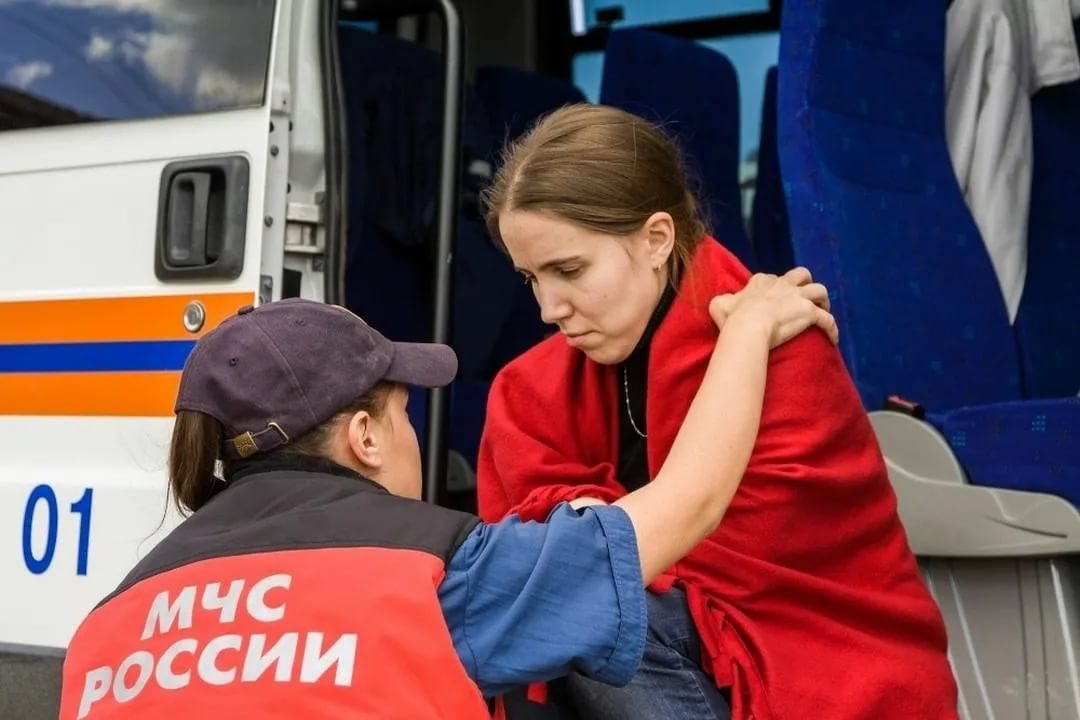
column 156, row 317
column 124, row 394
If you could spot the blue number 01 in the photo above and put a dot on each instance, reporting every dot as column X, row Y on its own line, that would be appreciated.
column 81, row 507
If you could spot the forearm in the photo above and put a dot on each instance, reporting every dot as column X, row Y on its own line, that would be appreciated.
column 688, row 497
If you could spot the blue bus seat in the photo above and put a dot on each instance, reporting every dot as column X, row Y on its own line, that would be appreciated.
column 1048, row 322
column 769, row 231
column 393, row 92
column 880, row 219
column 516, row 98
column 693, row 92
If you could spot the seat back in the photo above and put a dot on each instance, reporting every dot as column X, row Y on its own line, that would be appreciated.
column 875, row 208
column 1048, row 322
column 693, row 92
column 485, row 284
column 769, row 231
column 495, row 315
column 516, row 98
column 393, row 93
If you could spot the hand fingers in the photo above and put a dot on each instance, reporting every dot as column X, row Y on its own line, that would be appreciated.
column 817, row 294
column 824, row 320
column 760, row 281
column 808, row 316
column 798, row 276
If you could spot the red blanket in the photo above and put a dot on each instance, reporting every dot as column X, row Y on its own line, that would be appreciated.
column 807, row 598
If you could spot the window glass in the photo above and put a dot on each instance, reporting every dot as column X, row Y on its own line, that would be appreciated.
column 583, row 13
column 68, row 61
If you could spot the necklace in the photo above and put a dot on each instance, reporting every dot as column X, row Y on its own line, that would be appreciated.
column 629, row 412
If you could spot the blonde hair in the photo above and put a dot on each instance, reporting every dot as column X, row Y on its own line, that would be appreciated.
column 603, row 169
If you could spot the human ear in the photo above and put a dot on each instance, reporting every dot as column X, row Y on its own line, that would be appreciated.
column 659, row 233
column 365, row 440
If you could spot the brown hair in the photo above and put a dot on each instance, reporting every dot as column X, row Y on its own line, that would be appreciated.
column 197, row 441
column 603, row 169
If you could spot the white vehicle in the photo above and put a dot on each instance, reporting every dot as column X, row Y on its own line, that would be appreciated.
column 162, row 164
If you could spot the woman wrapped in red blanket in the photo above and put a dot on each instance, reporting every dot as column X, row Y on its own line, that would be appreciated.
column 807, row 601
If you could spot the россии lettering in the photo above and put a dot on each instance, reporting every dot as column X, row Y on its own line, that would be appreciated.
column 255, row 657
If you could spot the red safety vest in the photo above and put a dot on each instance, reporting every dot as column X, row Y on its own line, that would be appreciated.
column 290, row 595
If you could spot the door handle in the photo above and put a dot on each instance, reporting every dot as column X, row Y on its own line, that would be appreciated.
column 202, row 219
column 188, row 211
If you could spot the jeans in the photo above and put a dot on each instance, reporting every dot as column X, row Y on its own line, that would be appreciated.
column 669, row 685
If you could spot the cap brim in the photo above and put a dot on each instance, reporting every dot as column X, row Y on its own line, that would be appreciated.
column 428, row 365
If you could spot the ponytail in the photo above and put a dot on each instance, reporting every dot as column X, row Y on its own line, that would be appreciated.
column 193, row 456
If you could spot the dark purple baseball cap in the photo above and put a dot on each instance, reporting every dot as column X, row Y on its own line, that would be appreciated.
column 273, row 373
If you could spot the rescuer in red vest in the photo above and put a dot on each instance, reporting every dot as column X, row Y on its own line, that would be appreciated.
column 310, row 582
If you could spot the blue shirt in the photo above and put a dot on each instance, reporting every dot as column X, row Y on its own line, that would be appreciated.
column 528, row 602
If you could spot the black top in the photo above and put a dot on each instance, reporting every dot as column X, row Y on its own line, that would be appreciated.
column 289, row 501
column 633, row 471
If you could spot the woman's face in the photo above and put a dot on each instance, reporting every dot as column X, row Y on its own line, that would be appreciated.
column 599, row 289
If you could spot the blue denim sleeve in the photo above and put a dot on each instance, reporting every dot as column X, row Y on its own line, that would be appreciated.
column 528, row 602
